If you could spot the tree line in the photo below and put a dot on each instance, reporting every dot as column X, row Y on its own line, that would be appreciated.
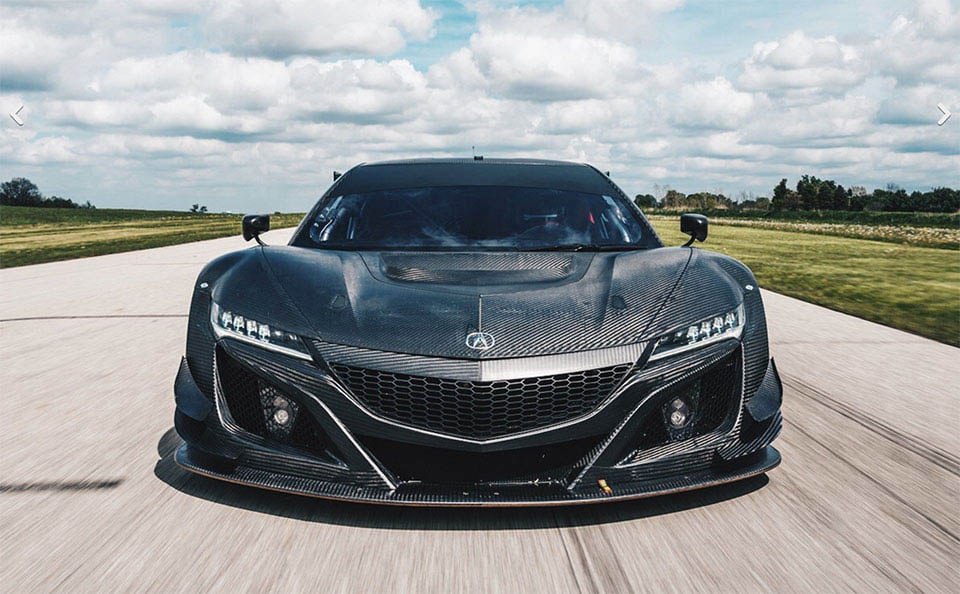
column 20, row 191
column 813, row 193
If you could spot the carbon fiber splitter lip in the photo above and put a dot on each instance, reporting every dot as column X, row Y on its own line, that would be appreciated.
column 527, row 496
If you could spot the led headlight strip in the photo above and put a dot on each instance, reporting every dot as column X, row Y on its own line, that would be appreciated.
column 236, row 326
column 704, row 332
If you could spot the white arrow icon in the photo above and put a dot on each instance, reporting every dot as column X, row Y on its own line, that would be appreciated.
column 946, row 114
column 15, row 115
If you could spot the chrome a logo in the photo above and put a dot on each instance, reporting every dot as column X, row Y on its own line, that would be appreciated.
column 480, row 341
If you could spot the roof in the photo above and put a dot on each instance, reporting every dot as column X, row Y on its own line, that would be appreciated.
column 419, row 173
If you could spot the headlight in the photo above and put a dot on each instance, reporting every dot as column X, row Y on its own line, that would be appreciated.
column 704, row 332
column 234, row 325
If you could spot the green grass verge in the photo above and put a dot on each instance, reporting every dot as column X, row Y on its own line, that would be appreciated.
column 945, row 238
column 911, row 288
column 37, row 235
column 862, row 217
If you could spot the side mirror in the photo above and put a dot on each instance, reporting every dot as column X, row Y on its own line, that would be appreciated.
column 694, row 225
column 254, row 225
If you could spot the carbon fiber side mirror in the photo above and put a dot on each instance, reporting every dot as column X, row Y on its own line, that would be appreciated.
column 694, row 225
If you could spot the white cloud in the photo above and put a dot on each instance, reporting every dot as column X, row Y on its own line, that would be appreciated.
column 800, row 62
column 921, row 47
column 283, row 28
column 543, row 67
column 626, row 20
column 29, row 57
column 914, row 105
column 362, row 91
column 712, row 104
column 228, row 81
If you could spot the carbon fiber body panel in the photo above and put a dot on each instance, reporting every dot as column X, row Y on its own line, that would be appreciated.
column 485, row 496
column 393, row 406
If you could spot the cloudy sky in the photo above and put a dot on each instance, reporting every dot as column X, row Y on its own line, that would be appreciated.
column 249, row 105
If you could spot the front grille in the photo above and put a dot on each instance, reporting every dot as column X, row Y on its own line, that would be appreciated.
column 713, row 397
column 480, row 410
column 248, row 398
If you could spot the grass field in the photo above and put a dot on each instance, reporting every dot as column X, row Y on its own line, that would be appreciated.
column 912, row 288
column 37, row 235
column 858, row 217
column 915, row 289
column 910, row 228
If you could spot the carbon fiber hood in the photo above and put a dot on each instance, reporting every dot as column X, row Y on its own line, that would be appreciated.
column 426, row 303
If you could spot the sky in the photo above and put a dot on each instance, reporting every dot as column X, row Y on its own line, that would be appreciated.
column 250, row 105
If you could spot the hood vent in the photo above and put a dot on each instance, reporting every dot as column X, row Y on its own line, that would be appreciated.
column 477, row 268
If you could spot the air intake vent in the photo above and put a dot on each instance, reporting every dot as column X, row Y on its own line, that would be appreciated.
column 711, row 399
column 254, row 405
column 475, row 268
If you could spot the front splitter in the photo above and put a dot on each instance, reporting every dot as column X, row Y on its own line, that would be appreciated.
column 458, row 496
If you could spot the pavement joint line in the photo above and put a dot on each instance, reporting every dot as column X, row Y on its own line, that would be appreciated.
column 93, row 317
column 585, row 565
column 890, row 572
column 566, row 551
column 880, row 484
column 935, row 456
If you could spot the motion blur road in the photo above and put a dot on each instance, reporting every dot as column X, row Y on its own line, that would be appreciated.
column 867, row 497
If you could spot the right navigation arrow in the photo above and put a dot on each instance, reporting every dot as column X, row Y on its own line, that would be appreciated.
column 946, row 114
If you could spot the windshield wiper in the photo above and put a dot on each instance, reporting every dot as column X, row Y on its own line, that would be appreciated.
column 583, row 247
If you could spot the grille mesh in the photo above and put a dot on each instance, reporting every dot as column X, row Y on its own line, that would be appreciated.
column 245, row 393
column 480, row 410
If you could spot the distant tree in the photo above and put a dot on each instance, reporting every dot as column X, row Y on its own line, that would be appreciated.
column 857, row 198
column 87, row 204
column 944, row 200
column 763, row 203
column 20, row 191
column 645, row 200
column 674, row 199
column 808, row 187
column 841, row 199
column 58, row 202
column 701, row 200
column 198, row 208
column 784, row 198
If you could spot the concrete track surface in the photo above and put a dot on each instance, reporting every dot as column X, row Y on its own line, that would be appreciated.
column 867, row 497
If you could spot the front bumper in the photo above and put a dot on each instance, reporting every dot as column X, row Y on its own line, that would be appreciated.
column 478, row 495
column 612, row 468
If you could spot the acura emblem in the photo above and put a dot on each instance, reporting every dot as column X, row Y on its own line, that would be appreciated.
column 480, row 341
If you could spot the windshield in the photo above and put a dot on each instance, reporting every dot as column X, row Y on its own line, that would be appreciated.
column 475, row 217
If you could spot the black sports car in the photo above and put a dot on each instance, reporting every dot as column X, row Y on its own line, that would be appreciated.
column 477, row 332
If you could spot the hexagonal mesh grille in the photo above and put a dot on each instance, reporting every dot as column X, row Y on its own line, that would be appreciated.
column 480, row 410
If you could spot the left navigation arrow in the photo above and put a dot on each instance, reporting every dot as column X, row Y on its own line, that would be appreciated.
column 16, row 116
